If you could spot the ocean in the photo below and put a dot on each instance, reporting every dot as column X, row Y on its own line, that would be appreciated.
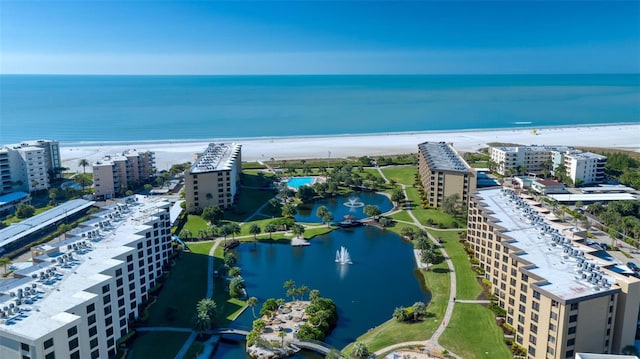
column 86, row 109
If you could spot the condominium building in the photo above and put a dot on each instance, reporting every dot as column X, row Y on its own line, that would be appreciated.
column 532, row 158
column 6, row 185
column 213, row 178
column 79, row 296
column 444, row 173
column 113, row 175
column 561, row 295
column 581, row 167
column 29, row 166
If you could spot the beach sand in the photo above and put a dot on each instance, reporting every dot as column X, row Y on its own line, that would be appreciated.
column 285, row 148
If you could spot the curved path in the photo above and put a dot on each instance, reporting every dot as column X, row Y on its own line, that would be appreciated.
column 431, row 343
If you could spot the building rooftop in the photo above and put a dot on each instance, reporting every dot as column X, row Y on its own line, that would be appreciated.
column 216, row 157
column 585, row 155
column 593, row 197
column 567, row 273
column 42, row 299
column 546, row 182
column 13, row 196
column 442, row 157
column 514, row 149
column 17, row 231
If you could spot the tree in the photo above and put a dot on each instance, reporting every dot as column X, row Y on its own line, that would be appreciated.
column 321, row 211
column 282, row 335
column 270, row 228
column 360, row 350
column 372, row 211
column 428, row 256
column 236, row 286
column 297, row 230
column 185, row 234
column 213, row 214
column 305, row 193
column 84, row 163
column 314, row 294
column 450, row 204
column 4, row 262
column 401, row 314
column 208, row 306
column 327, row 218
column 333, row 354
column 201, row 323
column 252, row 302
column 255, row 230
column 419, row 309
column 25, row 210
column 288, row 211
column 407, row 232
column 630, row 350
column 230, row 259
column 235, row 271
column 289, row 284
column 397, row 195
column 302, row 290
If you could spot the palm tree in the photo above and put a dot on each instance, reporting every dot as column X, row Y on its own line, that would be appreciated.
column 252, row 302
column 208, row 306
column 270, row 228
column 255, row 230
column 282, row 335
column 297, row 230
column 4, row 262
column 360, row 350
column 314, row 294
column 327, row 218
column 321, row 211
column 288, row 211
column 428, row 256
column 235, row 229
column 84, row 163
column 202, row 323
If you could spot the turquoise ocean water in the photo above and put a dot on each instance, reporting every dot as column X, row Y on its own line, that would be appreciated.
column 172, row 108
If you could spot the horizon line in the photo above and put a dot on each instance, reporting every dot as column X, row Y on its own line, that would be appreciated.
column 324, row 74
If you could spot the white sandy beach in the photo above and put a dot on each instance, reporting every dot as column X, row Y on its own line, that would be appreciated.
column 168, row 153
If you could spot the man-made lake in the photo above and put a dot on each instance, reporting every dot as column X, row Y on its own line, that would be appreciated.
column 383, row 275
column 342, row 206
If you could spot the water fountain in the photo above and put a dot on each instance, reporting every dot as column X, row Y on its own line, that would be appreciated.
column 354, row 202
column 342, row 256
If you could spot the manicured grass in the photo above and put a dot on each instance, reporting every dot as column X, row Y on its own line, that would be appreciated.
column 401, row 174
column 467, row 287
column 249, row 201
column 257, row 178
column 195, row 224
column 402, row 216
column 201, row 247
column 434, row 216
column 391, row 332
column 157, row 345
column 196, row 348
column 472, row 333
column 186, row 285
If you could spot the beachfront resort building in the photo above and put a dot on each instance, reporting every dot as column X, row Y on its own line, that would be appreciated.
column 80, row 294
column 114, row 175
column 580, row 167
column 213, row 178
column 29, row 166
column 514, row 159
column 561, row 294
column 444, row 173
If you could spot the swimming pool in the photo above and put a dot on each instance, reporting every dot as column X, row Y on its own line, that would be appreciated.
column 297, row 182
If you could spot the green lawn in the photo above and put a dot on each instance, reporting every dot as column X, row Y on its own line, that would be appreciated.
column 472, row 333
column 201, row 247
column 195, row 224
column 257, row 178
column 472, row 330
column 402, row 216
column 157, row 345
column 250, row 201
column 187, row 283
column 467, row 286
column 392, row 332
column 401, row 174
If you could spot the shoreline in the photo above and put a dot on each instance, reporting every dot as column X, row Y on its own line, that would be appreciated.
column 623, row 136
column 338, row 135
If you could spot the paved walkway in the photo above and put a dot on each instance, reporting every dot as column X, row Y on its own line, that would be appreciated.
column 473, row 301
column 433, row 342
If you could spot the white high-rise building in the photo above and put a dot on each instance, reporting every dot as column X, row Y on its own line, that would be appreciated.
column 581, row 167
column 78, row 297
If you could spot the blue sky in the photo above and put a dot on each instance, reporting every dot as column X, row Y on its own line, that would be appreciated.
column 318, row 37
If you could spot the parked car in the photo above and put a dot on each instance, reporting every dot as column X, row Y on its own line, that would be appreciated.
column 604, row 246
column 633, row 267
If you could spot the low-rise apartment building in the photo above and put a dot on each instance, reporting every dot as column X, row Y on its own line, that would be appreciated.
column 79, row 296
column 212, row 180
column 581, row 167
column 444, row 173
column 561, row 296
column 113, row 175
column 29, row 166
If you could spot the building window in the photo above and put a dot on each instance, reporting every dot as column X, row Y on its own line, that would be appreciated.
column 48, row 343
column 574, row 306
column 573, row 318
column 75, row 355
column 93, row 331
column 571, row 342
column 95, row 354
column 572, row 330
column 93, row 343
column 91, row 319
column 51, row 355
column 90, row 308
column 73, row 343
column 569, row 354
column 72, row 331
